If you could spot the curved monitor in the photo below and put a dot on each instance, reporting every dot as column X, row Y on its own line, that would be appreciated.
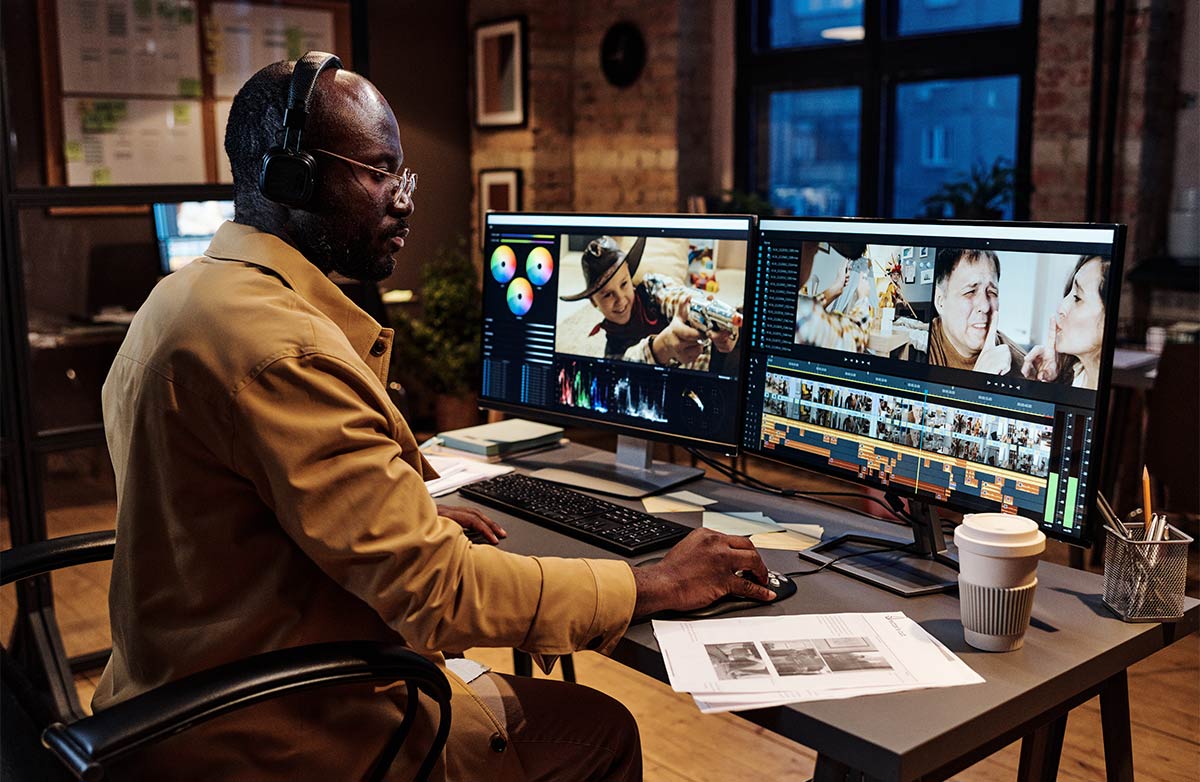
column 626, row 322
column 964, row 364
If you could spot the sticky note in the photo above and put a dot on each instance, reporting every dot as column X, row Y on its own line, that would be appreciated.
column 668, row 505
column 783, row 541
column 732, row 525
column 690, row 497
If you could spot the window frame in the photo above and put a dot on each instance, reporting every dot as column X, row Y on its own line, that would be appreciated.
column 876, row 65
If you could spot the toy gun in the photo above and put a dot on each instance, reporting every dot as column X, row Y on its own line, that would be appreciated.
column 708, row 315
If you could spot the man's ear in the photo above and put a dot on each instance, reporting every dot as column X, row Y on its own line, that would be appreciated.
column 939, row 298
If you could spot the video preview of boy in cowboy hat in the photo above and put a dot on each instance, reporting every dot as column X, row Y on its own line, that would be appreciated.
column 655, row 317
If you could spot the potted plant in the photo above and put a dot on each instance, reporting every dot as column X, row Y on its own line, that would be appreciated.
column 440, row 349
column 980, row 195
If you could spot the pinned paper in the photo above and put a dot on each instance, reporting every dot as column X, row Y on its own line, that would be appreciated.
column 668, row 505
column 691, row 497
column 783, row 541
column 732, row 525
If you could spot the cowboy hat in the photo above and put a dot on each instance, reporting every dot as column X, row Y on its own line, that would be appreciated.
column 601, row 259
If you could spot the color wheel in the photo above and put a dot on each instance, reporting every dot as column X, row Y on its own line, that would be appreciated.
column 504, row 263
column 539, row 266
column 520, row 296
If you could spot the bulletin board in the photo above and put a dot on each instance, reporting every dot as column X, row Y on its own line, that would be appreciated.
column 137, row 92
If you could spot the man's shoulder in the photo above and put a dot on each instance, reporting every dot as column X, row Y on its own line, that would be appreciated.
column 220, row 322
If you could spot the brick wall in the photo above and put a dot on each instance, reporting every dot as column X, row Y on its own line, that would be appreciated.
column 589, row 146
column 1145, row 136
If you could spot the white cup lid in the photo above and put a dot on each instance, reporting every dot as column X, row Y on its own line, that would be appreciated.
column 1000, row 535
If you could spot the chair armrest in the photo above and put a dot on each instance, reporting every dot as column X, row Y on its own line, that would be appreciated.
column 87, row 745
column 34, row 559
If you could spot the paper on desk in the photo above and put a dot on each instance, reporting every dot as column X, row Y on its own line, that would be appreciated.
column 733, row 525
column 691, row 498
column 783, row 541
column 811, row 530
column 778, row 659
column 459, row 472
column 668, row 505
column 752, row 515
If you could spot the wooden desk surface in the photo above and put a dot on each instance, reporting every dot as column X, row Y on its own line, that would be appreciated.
column 1073, row 645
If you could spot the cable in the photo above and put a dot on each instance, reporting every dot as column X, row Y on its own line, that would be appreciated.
column 814, row 571
column 739, row 476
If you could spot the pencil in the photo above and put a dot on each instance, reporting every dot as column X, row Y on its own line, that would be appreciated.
column 1147, row 515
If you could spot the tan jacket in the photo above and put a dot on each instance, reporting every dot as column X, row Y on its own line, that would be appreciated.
column 270, row 495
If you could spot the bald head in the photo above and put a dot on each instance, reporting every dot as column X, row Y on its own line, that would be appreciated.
column 354, row 220
column 345, row 109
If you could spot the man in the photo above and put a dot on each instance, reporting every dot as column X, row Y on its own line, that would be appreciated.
column 647, row 322
column 269, row 495
column 964, row 333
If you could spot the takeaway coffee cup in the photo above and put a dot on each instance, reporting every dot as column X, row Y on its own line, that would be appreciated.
column 997, row 576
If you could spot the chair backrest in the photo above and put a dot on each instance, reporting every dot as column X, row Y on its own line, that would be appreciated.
column 88, row 745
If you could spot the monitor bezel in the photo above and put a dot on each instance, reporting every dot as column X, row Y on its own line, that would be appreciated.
column 630, row 430
column 1116, row 267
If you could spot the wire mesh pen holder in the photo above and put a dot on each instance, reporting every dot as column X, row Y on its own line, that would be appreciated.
column 1143, row 579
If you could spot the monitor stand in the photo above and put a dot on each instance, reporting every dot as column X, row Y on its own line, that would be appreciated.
column 919, row 568
column 632, row 473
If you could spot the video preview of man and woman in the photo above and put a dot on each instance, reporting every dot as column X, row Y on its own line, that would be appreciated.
column 1034, row 316
column 671, row 302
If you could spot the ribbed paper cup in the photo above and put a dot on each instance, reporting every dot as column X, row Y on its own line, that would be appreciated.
column 995, row 618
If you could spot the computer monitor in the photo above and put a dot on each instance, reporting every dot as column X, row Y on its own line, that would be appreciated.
column 184, row 229
column 949, row 363
column 584, row 323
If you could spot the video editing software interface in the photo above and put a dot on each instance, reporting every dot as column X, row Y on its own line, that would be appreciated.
column 947, row 362
column 632, row 321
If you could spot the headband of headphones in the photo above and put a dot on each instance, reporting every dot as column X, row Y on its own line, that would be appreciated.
column 289, row 174
column 304, row 84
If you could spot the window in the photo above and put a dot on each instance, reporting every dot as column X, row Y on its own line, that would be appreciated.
column 902, row 108
column 814, row 150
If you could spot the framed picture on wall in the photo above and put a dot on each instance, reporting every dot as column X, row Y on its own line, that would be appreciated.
column 499, row 191
column 500, row 73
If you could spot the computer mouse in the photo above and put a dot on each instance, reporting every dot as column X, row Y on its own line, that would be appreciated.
column 781, row 585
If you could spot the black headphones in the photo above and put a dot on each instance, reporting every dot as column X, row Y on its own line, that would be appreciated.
column 288, row 173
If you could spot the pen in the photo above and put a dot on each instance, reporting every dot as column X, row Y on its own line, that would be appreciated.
column 1147, row 514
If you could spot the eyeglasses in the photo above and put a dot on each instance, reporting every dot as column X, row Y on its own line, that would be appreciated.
column 406, row 181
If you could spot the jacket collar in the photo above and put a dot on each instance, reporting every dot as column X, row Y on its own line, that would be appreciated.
column 244, row 243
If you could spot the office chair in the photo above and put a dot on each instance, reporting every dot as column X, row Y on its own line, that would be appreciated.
column 86, row 747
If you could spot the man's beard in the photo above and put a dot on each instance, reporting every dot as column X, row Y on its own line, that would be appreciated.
column 333, row 247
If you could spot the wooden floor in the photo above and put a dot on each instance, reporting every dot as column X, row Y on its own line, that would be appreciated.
column 679, row 743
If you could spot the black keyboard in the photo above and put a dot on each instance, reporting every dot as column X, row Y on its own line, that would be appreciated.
column 608, row 525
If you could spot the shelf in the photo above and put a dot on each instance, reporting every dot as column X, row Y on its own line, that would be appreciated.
column 118, row 195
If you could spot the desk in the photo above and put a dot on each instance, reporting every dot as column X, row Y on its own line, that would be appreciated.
column 1074, row 650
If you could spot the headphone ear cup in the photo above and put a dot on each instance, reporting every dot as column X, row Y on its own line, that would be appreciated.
column 287, row 177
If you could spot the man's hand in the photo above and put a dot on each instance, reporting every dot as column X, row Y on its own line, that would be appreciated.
column 995, row 358
column 698, row 570
column 471, row 519
column 1041, row 363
